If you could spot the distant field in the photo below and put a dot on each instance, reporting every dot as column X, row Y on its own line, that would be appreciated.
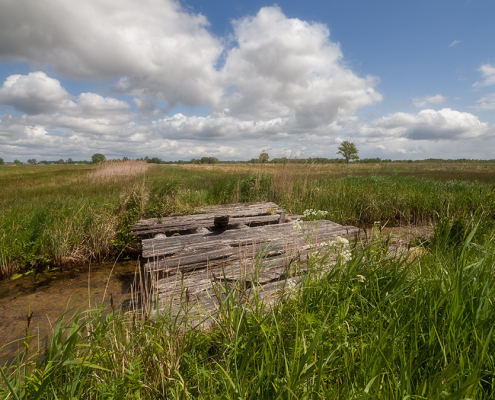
column 61, row 214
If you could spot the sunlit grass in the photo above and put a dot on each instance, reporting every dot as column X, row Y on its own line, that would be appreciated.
column 372, row 327
column 51, row 215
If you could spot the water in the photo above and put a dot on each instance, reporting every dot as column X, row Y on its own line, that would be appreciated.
column 49, row 294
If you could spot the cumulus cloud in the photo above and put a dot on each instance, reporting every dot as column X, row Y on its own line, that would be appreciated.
column 154, row 46
column 276, row 83
column 423, row 102
column 488, row 73
column 288, row 68
column 34, row 93
column 432, row 125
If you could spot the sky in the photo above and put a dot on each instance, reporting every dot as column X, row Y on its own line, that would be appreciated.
column 401, row 79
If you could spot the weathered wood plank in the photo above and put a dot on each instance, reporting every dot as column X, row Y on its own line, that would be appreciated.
column 183, row 224
column 270, row 231
column 248, row 237
column 234, row 210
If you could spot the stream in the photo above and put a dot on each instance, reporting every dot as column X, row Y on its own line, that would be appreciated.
column 49, row 294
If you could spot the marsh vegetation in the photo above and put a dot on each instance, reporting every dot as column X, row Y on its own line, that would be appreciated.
column 376, row 326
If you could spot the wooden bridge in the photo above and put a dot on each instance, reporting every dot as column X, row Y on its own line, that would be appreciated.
column 257, row 247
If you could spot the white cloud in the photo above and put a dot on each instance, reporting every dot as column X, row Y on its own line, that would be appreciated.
column 34, row 93
column 455, row 43
column 423, row 102
column 485, row 103
column 154, row 46
column 488, row 73
column 278, row 83
column 431, row 125
column 288, row 68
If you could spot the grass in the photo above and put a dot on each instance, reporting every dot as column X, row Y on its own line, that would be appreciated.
column 55, row 215
column 416, row 326
column 374, row 327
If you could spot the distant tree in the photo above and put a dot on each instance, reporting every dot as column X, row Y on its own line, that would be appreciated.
column 264, row 157
column 16, row 161
column 1, row 161
column 125, row 158
column 69, row 161
column 155, row 160
column 213, row 160
column 98, row 158
column 32, row 161
column 205, row 160
column 348, row 151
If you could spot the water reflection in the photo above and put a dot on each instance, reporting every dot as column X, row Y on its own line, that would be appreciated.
column 49, row 294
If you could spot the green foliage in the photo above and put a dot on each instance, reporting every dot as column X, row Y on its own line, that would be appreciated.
column 1, row 161
column 264, row 157
column 370, row 327
column 97, row 158
column 348, row 151
column 208, row 160
column 52, row 213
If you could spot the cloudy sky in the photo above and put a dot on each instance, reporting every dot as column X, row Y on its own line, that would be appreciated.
column 187, row 79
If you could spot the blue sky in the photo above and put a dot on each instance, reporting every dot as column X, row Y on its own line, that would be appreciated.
column 182, row 80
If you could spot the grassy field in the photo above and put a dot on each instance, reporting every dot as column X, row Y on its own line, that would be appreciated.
column 417, row 326
column 61, row 214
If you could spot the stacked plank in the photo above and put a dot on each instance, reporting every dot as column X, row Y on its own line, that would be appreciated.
column 240, row 215
column 190, row 268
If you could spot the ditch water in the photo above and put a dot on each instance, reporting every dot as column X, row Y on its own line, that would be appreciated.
column 48, row 296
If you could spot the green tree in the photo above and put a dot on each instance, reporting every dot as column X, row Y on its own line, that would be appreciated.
column 32, row 161
column 16, row 161
column 98, row 158
column 125, row 158
column 348, row 151
column 1, row 161
column 264, row 157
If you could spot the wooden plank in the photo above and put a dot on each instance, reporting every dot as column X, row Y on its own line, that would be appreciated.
column 187, row 223
column 245, row 237
column 224, row 252
column 234, row 210
column 269, row 230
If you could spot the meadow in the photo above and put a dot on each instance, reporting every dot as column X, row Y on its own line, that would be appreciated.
column 419, row 325
column 58, row 215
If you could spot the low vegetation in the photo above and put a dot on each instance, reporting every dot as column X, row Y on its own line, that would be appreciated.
column 414, row 326
column 417, row 325
column 57, row 215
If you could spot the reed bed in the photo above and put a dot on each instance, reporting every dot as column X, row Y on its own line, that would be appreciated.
column 118, row 170
column 375, row 326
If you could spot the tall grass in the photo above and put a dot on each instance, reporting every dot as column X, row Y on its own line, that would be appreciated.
column 372, row 327
column 54, row 215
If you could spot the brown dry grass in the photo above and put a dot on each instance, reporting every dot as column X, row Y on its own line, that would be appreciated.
column 119, row 169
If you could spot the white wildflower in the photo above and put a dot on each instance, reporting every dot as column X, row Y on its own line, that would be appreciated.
column 342, row 241
column 361, row 278
column 346, row 255
column 297, row 225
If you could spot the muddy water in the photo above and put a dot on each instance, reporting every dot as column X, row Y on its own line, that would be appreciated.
column 49, row 294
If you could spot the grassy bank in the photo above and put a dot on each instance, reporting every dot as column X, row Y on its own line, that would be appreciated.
column 57, row 215
column 418, row 326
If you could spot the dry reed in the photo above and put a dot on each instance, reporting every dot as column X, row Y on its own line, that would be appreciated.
column 119, row 169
